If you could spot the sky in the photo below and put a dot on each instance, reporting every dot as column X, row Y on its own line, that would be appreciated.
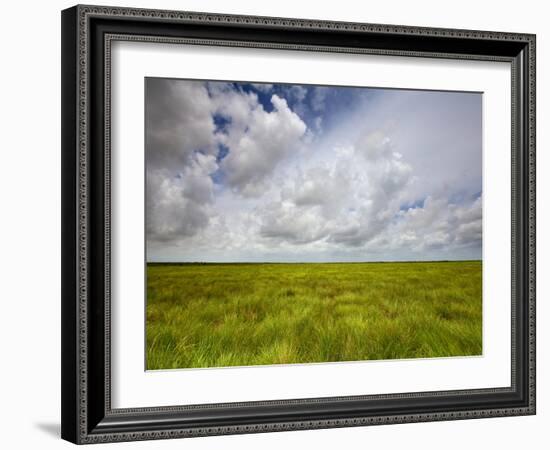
column 259, row 172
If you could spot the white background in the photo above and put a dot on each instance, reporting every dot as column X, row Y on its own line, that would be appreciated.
column 30, row 225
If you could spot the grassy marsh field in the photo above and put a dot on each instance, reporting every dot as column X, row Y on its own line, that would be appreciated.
column 217, row 315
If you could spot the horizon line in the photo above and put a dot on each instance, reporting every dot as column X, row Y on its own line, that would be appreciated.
column 315, row 262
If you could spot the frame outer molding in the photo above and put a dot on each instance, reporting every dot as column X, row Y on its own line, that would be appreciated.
column 76, row 218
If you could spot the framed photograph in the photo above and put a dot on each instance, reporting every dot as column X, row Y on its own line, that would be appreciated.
column 278, row 224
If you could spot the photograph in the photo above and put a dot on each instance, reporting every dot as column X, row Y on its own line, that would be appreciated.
column 287, row 219
column 300, row 223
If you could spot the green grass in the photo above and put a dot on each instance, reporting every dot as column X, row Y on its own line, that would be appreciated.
column 215, row 315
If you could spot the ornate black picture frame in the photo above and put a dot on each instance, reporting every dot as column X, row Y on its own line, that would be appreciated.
column 87, row 34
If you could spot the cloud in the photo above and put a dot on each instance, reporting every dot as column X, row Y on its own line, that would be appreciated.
column 259, row 143
column 354, row 198
column 262, row 87
column 178, row 121
column 397, row 175
column 438, row 133
column 181, row 147
column 183, row 144
column 180, row 206
column 318, row 97
column 355, row 203
column 325, row 186
column 439, row 224
column 295, row 93
column 286, row 222
column 234, row 105
column 388, row 174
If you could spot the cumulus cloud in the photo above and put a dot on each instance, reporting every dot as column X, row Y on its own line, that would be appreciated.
column 234, row 105
column 259, row 143
column 438, row 224
column 178, row 121
column 183, row 147
column 318, row 98
column 180, row 206
column 234, row 173
column 285, row 222
column 321, row 186
column 263, row 87
column 180, row 150
column 350, row 201
column 295, row 92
